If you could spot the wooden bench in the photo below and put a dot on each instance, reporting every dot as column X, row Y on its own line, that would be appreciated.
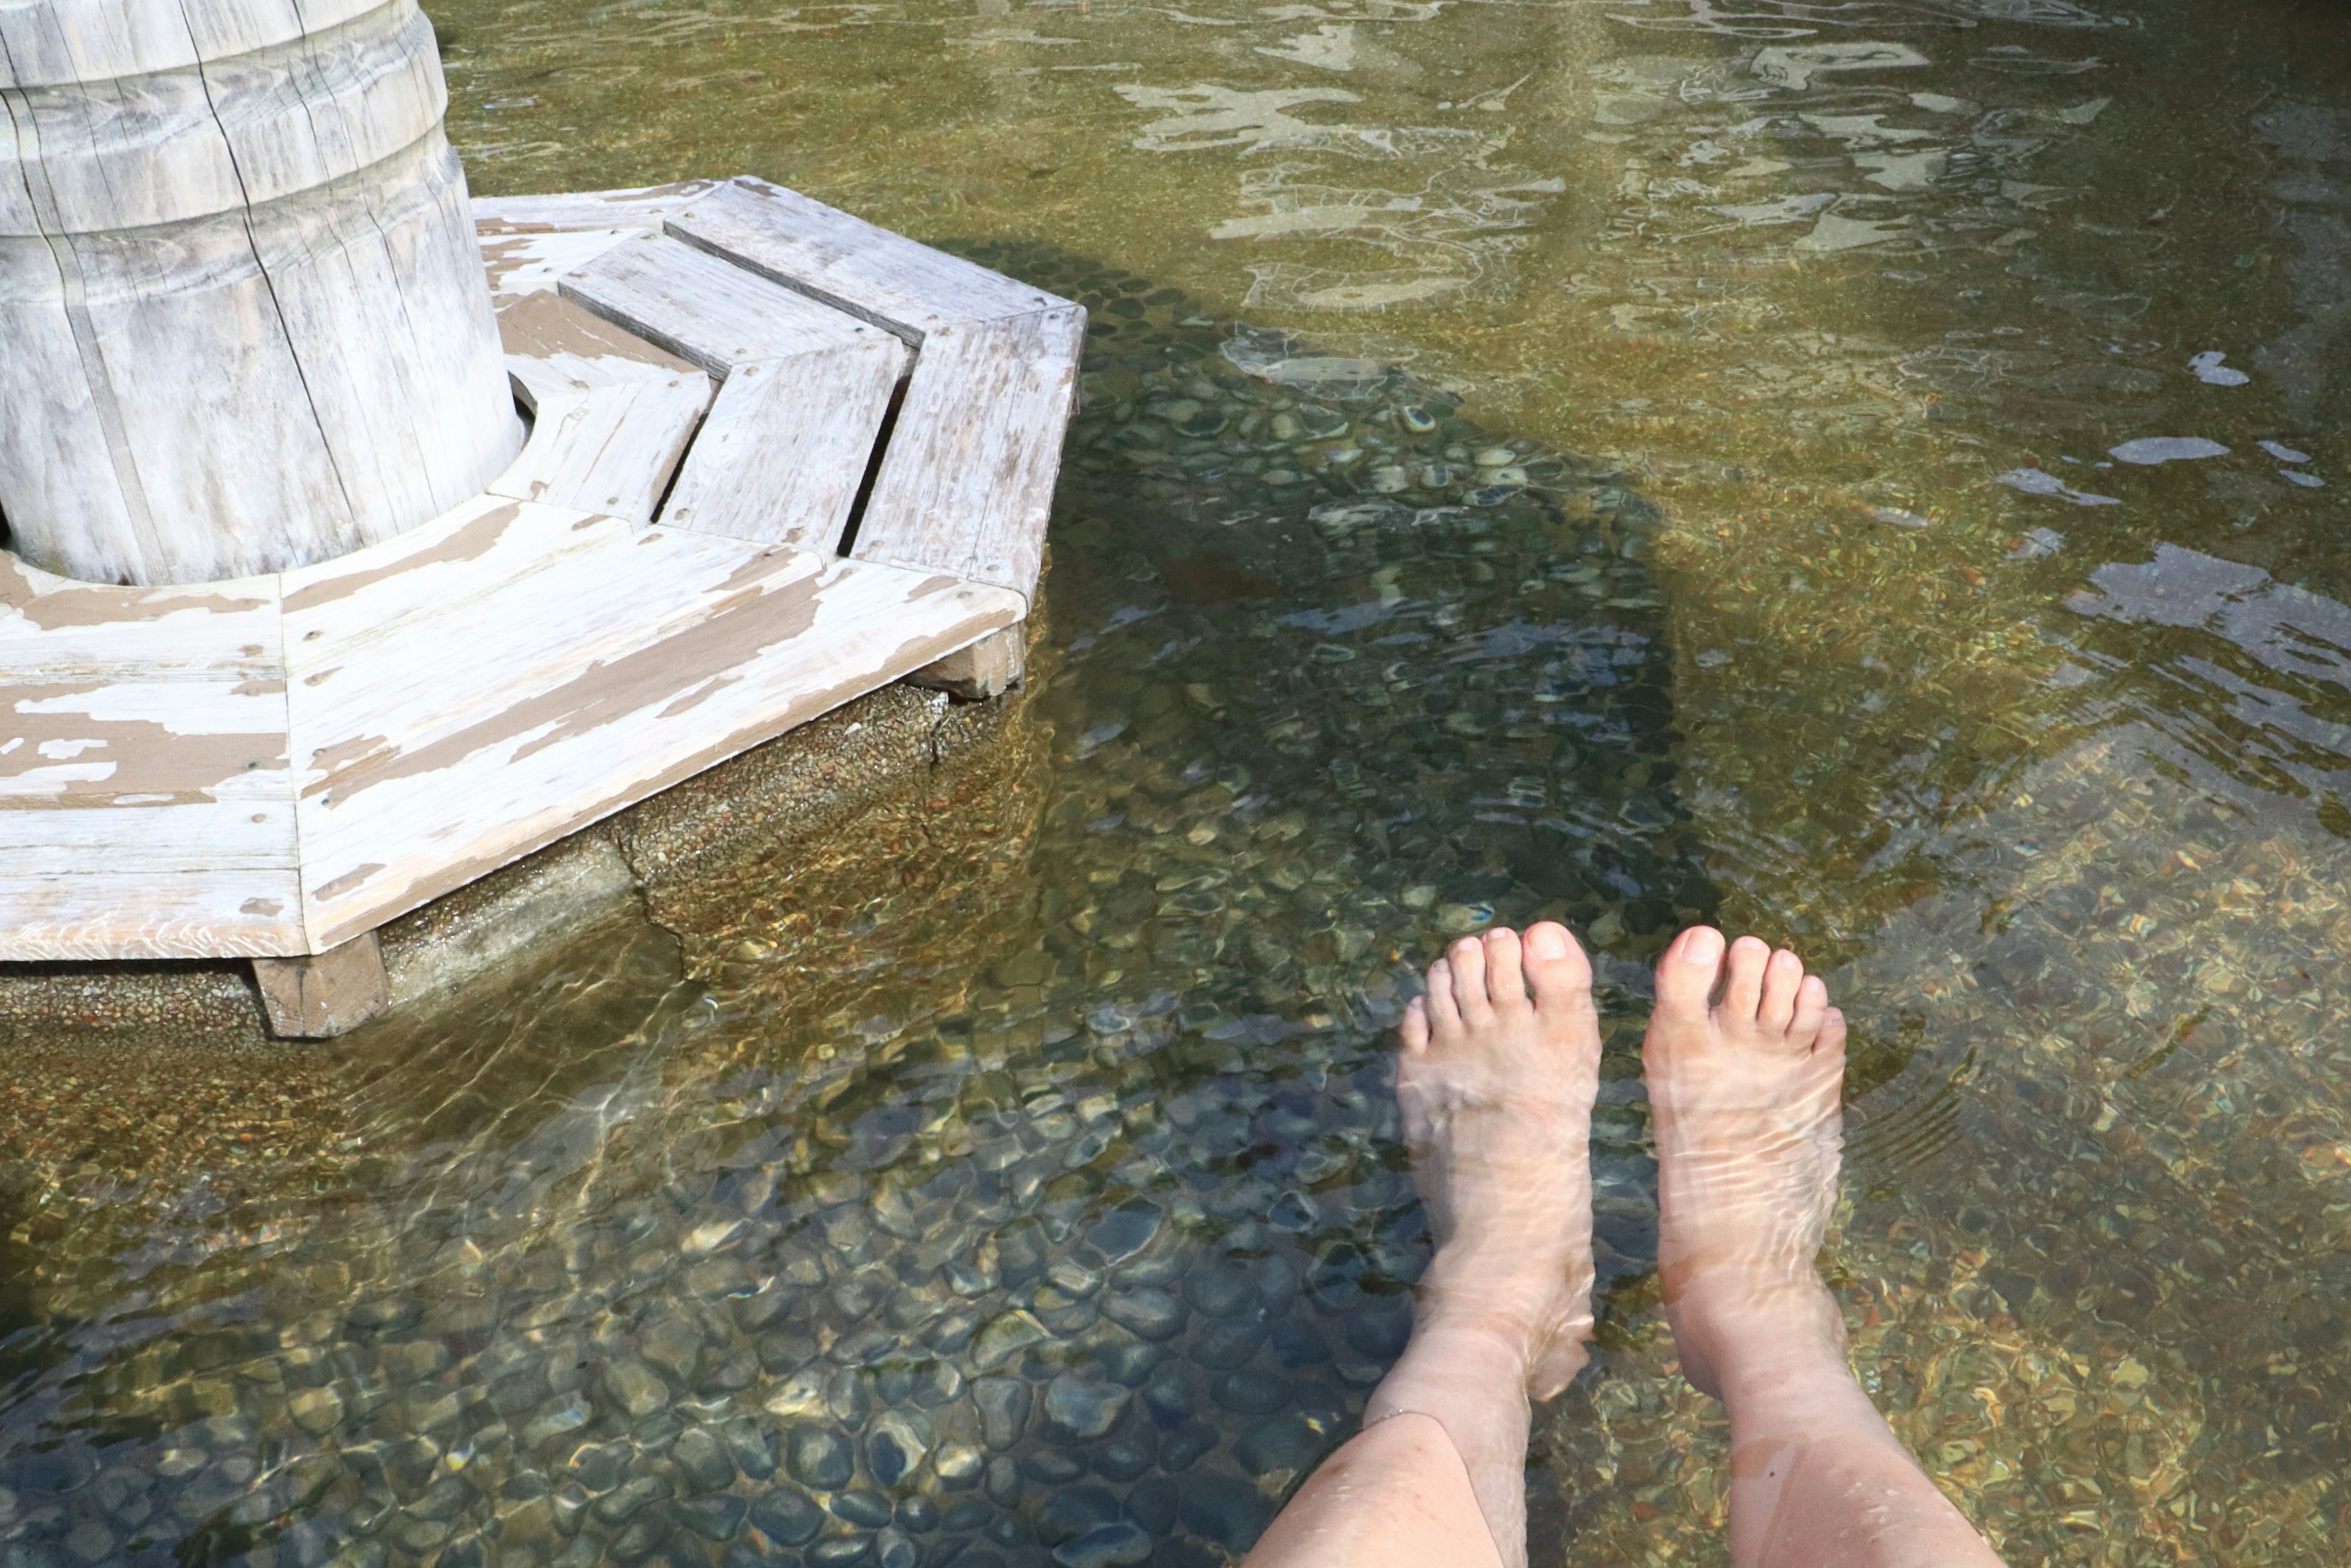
column 778, row 458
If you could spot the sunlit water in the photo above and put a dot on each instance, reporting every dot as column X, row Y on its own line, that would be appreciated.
column 1630, row 460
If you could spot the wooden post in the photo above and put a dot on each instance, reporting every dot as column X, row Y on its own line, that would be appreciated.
column 244, row 323
column 324, row 994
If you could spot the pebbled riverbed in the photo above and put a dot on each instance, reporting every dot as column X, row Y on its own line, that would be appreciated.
column 1868, row 473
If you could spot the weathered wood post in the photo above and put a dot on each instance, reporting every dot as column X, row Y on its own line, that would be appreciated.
column 244, row 324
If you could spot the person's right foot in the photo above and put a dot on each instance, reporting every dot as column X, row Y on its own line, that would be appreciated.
column 1746, row 1097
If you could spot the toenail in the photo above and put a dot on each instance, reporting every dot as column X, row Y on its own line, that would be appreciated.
column 1704, row 946
column 1547, row 942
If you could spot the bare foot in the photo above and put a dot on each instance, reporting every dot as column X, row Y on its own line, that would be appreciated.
column 1499, row 1067
column 1745, row 1095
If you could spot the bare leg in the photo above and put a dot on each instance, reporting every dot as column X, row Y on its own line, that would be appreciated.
column 1499, row 1066
column 1747, row 1094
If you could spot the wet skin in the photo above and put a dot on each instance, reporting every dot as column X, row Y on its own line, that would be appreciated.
column 1744, row 1062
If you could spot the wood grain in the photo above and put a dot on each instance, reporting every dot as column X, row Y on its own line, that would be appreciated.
column 849, row 263
column 146, row 802
column 806, row 388
column 242, row 318
column 531, row 669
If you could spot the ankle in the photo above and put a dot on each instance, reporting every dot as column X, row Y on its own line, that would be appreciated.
column 1455, row 1348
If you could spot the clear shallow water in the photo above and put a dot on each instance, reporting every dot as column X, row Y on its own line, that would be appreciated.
column 1784, row 606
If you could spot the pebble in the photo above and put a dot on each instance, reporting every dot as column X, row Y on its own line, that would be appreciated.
column 1085, row 1408
column 1106, row 1547
column 788, row 1517
column 1004, row 1405
column 821, row 1458
column 702, row 1459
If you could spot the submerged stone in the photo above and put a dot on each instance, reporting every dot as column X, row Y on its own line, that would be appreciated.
column 1108, row 1547
column 1083, row 1406
column 788, row 1517
column 819, row 1457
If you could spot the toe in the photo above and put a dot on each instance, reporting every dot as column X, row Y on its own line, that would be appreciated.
column 1557, row 971
column 1444, row 1018
column 1743, row 994
column 1468, row 960
column 1784, row 977
column 1687, row 974
column 1831, row 1040
column 1506, row 985
column 1415, row 1027
column 1811, row 1006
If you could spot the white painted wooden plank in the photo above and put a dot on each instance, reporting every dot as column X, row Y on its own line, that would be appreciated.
column 530, row 261
column 52, row 627
column 710, row 311
column 966, row 486
column 146, row 804
column 145, row 912
column 610, row 448
column 559, row 334
column 643, row 207
column 764, row 657
column 847, row 262
column 786, row 445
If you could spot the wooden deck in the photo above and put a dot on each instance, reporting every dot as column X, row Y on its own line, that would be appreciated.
column 273, row 766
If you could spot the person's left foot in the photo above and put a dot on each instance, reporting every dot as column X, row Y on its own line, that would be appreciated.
column 1499, row 1068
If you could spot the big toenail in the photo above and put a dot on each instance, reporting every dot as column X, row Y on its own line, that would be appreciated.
column 1704, row 946
column 1547, row 942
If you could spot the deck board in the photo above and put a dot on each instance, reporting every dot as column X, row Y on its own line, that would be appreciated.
column 805, row 392
column 274, row 765
column 144, row 730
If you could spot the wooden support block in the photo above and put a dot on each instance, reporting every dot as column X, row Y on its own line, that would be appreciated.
column 988, row 668
column 324, row 994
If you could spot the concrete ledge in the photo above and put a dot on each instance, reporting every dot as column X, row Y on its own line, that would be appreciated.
column 689, row 859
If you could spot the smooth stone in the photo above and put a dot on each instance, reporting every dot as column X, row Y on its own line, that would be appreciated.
column 315, row 1410
column 866, row 1509
column 567, row 1416
column 918, row 1514
column 1298, row 1344
column 1004, row 1480
column 712, row 1518
column 1230, row 1512
column 893, row 1447
column 1126, row 1457
column 893, row 1550
column 1220, row 1289
column 1125, row 1231
column 1381, row 1326
column 965, row 1515
column 819, row 1458
column 1494, row 457
column 1085, row 1408
column 788, row 1517
column 1250, row 1393
column 951, row 1334
column 1004, row 1406
column 635, row 1387
column 839, row 1551
column 624, row 1501
column 1051, row 1466
column 1285, row 1443
column 1169, row 1396
column 599, row 1466
column 749, row 1446
column 1227, row 1344
column 958, row 1465
column 1132, row 1364
column 1146, row 1313
column 937, row 1384
column 1152, row 1503
column 785, row 1351
column 1111, row 1546
column 673, row 1346
column 1005, row 1337
column 764, row 1306
column 702, row 1459
column 1073, row 1511
column 1183, row 1446
column 1388, row 478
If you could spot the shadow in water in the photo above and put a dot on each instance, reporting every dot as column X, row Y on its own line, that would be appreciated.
column 1020, row 1185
